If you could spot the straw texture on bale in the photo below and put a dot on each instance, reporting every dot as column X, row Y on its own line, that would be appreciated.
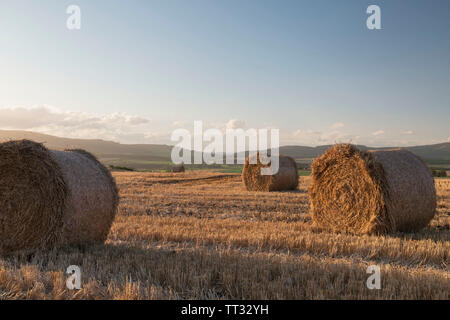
column 52, row 198
column 285, row 179
column 33, row 197
column 371, row 192
column 93, row 197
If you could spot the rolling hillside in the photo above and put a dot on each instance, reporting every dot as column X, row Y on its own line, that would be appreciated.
column 152, row 156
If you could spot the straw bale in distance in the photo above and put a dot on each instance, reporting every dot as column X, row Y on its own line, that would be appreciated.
column 285, row 179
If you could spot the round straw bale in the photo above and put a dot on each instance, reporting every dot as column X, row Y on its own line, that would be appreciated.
column 52, row 198
column 371, row 192
column 93, row 197
column 285, row 179
column 33, row 197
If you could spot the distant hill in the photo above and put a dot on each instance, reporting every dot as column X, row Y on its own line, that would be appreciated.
column 101, row 148
column 151, row 156
column 432, row 153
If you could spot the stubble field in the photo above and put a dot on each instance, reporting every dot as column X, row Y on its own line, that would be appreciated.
column 200, row 235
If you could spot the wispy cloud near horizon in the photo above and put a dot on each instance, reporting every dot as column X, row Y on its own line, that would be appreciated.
column 119, row 127
column 136, row 129
column 337, row 125
column 378, row 133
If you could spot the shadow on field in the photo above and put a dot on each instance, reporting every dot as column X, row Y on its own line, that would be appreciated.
column 110, row 270
column 437, row 233
column 294, row 191
column 194, row 180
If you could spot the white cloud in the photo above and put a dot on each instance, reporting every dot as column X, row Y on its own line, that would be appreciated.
column 305, row 133
column 378, row 132
column 178, row 124
column 126, row 128
column 235, row 124
column 45, row 119
column 337, row 125
column 336, row 136
column 314, row 137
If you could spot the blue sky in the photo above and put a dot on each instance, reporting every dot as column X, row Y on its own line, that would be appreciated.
column 139, row 69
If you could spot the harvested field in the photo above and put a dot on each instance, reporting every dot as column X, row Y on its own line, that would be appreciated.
column 200, row 235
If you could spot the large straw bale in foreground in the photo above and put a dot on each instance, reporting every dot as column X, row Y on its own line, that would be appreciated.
column 285, row 179
column 52, row 198
column 92, row 200
column 371, row 191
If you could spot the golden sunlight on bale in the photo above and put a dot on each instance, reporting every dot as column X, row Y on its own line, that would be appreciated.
column 371, row 192
column 285, row 179
column 52, row 198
